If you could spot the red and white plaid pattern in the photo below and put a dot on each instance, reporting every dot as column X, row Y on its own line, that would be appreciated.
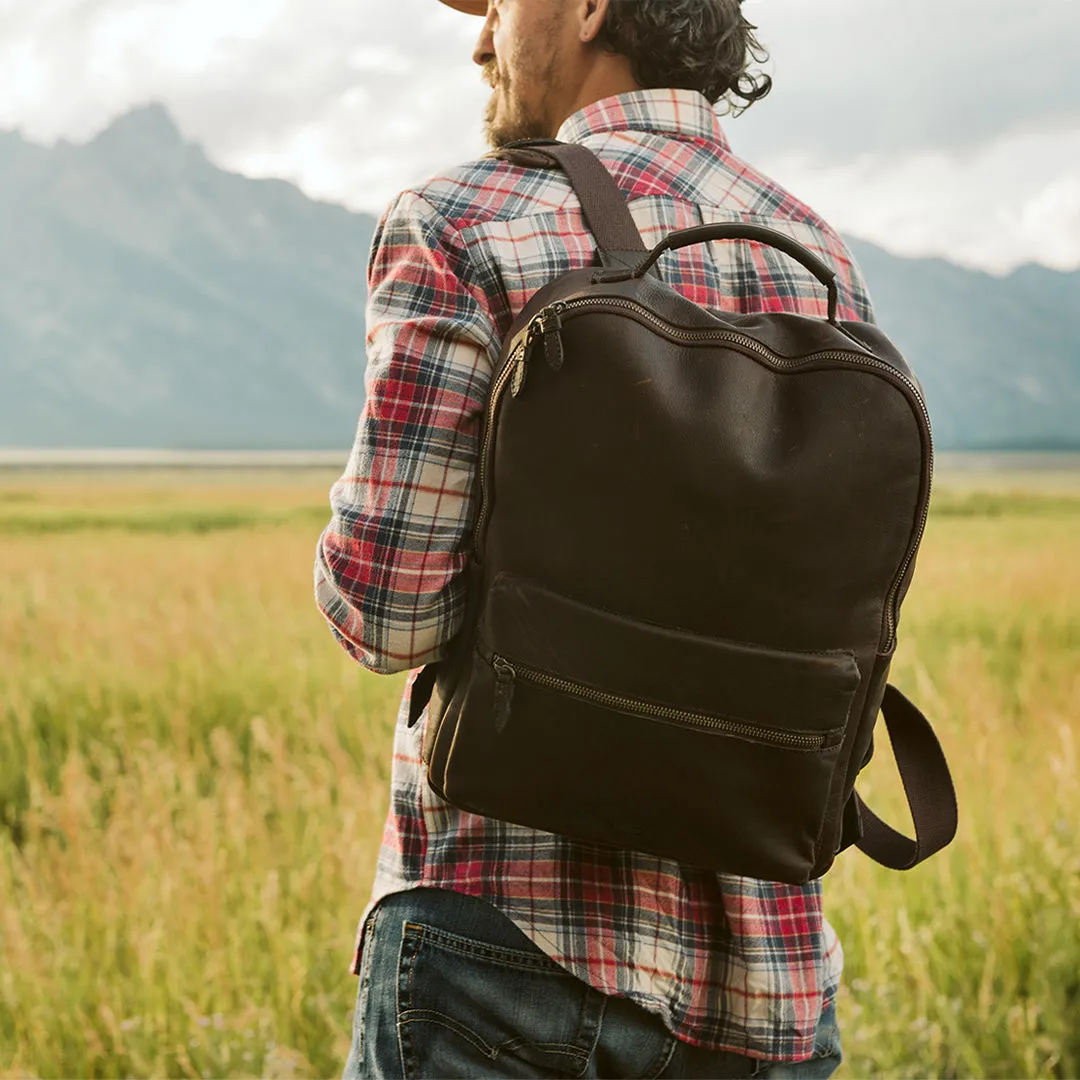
column 729, row 963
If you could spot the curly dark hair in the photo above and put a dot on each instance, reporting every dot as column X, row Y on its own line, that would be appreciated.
column 705, row 45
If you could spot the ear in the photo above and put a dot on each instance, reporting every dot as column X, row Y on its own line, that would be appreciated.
column 593, row 14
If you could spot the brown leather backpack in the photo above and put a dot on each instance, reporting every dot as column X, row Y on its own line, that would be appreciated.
column 694, row 536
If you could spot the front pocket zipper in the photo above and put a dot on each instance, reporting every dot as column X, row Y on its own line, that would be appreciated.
column 507, row 674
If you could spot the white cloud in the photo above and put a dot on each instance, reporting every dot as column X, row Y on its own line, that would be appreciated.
column 907, row 76
column 932, row 128
column 987, row 208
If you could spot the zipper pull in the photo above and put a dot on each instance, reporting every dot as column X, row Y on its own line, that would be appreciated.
column 504, row 692
column 546, row 325
column 551, row 324
column 521, row 368
column 521, row 362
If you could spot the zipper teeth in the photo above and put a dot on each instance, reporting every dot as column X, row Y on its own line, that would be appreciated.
column 750, row 344
column 663, row 712
column 489, row 426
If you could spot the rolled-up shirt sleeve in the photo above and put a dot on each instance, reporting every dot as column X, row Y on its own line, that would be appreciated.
column 389, row 567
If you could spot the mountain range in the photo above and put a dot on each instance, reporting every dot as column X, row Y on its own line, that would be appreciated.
column 149, row 298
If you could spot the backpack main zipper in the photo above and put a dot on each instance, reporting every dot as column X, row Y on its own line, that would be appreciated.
column 508, row 673
column 548, row 321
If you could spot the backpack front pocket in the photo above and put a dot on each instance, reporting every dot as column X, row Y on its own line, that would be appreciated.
column 579, row 721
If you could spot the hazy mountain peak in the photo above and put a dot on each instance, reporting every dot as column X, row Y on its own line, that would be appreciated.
column 13, row 143
column 149, row 127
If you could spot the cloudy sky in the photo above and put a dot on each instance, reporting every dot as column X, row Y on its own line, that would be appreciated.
column 946, row 127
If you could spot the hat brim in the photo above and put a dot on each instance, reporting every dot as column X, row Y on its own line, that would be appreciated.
column 470, row 7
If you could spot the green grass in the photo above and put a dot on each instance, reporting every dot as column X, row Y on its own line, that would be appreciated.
column 163, row 521
column 193, row 780
column 947, row 502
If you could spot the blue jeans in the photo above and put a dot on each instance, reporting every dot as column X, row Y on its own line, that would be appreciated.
column 450, row 987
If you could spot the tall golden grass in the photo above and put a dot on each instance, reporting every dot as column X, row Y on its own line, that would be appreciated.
column 193, row 779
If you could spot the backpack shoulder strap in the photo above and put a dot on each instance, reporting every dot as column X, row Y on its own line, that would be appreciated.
column 927, row 784
column 619, row 245
column 603, row 205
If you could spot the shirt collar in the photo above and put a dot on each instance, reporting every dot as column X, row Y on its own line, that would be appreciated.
column 684, row 113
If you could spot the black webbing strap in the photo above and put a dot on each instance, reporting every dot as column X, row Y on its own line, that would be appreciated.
column 603, row 205
column 420, row 694
column 927, row 784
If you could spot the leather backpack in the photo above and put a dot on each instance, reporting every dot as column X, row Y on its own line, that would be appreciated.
column 694, row 535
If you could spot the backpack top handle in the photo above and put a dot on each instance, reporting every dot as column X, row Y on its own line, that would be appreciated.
column 735, row 230
column 620, row 245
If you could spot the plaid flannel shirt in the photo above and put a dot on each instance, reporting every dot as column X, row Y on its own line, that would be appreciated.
column 727, row 962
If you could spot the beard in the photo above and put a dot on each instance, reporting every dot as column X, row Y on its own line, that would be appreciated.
column 511, row 126
column 508, row 119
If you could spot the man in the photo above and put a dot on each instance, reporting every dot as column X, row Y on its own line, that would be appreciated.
column 491, row 949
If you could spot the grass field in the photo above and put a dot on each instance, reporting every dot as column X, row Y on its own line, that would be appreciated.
column 193, row 781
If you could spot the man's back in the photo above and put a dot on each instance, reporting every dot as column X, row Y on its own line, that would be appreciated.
column 727, row 962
